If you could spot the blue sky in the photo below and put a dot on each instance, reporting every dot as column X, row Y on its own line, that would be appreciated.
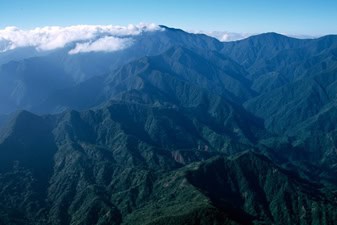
column 312, row 17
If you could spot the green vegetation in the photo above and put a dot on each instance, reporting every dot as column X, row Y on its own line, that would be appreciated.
column 178, row 129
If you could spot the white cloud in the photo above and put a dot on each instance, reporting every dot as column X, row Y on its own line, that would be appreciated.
column 53, row 37
column 105, row 44
column 224, row 36
column 228, row 36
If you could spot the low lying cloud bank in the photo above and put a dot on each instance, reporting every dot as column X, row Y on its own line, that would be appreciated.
column 88, row 38
column 105, row 44
column 223, row 36
column 228, row 36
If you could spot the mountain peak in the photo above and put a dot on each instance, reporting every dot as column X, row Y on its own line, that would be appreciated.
column 272, row 36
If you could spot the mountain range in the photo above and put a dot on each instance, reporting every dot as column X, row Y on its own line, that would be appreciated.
column 177, row 128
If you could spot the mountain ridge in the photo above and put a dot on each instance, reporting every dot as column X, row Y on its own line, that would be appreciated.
column 179, row 128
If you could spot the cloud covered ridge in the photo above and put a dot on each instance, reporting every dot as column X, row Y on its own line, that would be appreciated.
column 88, row 38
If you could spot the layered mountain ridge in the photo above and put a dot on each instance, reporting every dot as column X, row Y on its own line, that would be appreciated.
column 176, row 129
